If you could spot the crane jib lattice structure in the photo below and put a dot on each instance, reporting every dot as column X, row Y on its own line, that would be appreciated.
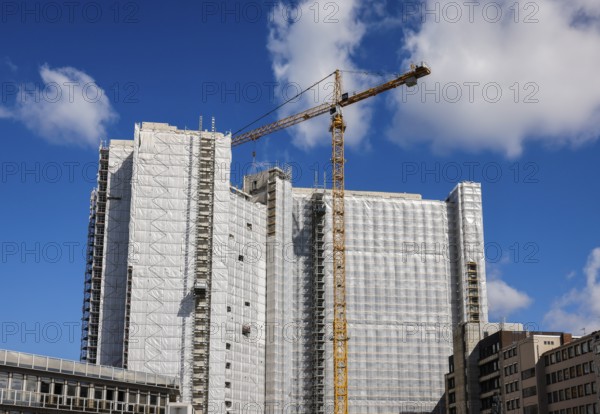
column 337, row 129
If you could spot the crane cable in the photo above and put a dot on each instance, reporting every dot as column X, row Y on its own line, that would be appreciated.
column 279, row 107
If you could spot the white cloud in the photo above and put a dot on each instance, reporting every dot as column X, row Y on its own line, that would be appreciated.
column 503, row 299
column 579, row 308
column 68, row 107
column 310, row 48
column 559, row 55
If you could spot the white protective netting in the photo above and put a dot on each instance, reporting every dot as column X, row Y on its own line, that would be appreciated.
column 466, row 206
column 400, row 281
column 280, row 314
column 116, row 240
column 162, row 252
column 245, row 327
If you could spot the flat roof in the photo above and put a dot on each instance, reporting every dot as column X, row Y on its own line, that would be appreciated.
column 82, row 369
column 370, row 194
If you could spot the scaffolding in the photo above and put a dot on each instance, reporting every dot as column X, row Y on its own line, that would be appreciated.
column 94, row 262
column 473, row 292
column 127, row 316
column 202, row 286
column 318, row 310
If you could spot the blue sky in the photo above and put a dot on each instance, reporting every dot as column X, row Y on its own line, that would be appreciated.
column 534, row 150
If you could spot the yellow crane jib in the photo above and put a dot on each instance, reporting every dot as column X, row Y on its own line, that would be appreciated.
column 337, row 129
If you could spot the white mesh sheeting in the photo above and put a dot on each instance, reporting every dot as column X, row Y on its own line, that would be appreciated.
column 161, row 253
column 219, row 283
column 399, row 281
column 116, row 239
column 245, row 306
column 280, row 317
column 467, row 208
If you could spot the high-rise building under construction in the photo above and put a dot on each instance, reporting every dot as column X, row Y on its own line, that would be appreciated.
column 230, row 289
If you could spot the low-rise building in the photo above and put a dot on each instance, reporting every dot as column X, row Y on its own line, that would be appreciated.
column 473, row 381
column 571, row 377
column 517, row 371
column 40, row 384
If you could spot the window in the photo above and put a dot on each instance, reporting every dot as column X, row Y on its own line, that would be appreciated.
column 571, row 352
column 31, row 383
column 577, row 350
column 72, row 389
column 227, row 365
column 528, row 373
column 227, row 345
column 45, row 385
column 566, row 374
column 83, row 390
column 241, row 258
column 3, row 380
column 227, row 384
column 228, row 308
column 249, row 226
column 247, row 303
column 58, row 388
column 530, row 391
column 584, row 348
column 97, row 393
column 16, row 382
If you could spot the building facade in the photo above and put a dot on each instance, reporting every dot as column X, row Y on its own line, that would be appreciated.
column 229, row 290
column 571, row 377
column 515, row 371
column 39, row 384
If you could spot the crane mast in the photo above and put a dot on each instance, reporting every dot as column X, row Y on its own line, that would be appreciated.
column 340, row 335
column 337, row 129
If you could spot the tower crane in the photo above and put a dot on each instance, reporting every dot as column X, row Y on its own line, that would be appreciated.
column 337, row 128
